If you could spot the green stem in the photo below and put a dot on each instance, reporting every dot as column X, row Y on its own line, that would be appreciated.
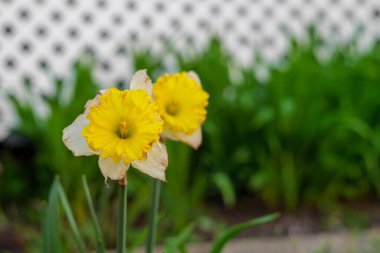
column 122, row 221
column 151, row 241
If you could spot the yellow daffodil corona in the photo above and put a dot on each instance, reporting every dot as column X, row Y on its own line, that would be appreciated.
column 182, row 105
column 124, row 125
column 123, row 128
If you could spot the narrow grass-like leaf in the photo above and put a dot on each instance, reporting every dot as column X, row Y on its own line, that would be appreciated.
column 71, row 219
column 51, row 228
column 100, row 248
column 178, row 243
column 226, row 188
column 233, row 231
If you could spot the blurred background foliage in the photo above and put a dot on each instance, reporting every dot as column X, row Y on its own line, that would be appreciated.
column 307, row 136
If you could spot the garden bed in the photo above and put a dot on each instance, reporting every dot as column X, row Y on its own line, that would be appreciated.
column 340, row 242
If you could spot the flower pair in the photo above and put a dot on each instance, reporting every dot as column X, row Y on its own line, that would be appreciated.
column 125, row 127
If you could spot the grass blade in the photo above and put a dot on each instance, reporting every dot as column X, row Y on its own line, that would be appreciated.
column 226, row 188
column 71, row 219
column 51, row 228
column 98, row 233
column 178, row 243
column 233, row 231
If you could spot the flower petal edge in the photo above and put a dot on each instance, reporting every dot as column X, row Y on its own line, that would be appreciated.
column 194, row 76
column 74, row 140
column 194, row 140
column 111, row 169
column 141, row 81
column 155, row 163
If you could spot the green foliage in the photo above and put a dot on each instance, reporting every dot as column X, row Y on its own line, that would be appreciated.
column 51, row 224
column 70, row 218
column 230, row 233
column 51, row 230
column 226, row 188
column 52, row 238
column 100, row 247
column 319, row 143
column 179, row 242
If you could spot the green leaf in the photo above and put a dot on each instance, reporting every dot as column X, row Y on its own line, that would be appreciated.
column 51, row 227
column 226, row 188
column 177, row 243
column 233, row 231
column 100, row 248
column 71, row 219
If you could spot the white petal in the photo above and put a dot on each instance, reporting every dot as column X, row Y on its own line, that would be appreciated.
column 73, row 138
column 166, row 134
column 72, row 135
column 110, row 169
column 141, row 81
column 96, row 100
column 194, row 140
column 155, row 163
column 194, row 76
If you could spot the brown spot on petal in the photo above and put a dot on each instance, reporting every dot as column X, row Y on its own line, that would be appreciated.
column 123, row 181
column 165, row 162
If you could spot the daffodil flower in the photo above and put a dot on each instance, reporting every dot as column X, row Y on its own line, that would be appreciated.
column 123, row 128
column 182, row 105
